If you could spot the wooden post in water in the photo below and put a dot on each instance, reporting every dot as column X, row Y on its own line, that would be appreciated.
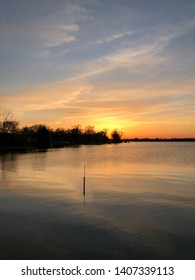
column 84, row 182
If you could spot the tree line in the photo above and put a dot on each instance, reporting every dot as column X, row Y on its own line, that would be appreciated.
column 42, row 137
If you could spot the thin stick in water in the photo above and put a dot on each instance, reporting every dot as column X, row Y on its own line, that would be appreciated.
column 84, row 182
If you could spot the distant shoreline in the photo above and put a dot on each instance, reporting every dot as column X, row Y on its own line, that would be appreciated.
column 31, row 148
column 158, row 140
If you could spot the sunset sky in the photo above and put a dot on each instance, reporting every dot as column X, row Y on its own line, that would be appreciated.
column 127, row 64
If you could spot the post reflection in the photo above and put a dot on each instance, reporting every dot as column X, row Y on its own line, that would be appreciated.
column 84, row 202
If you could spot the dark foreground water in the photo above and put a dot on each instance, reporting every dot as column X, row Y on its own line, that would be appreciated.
column 139, row 202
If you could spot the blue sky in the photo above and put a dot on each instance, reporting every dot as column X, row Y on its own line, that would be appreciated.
column 116, row 64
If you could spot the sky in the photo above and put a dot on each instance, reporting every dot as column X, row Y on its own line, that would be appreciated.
column 127, row 64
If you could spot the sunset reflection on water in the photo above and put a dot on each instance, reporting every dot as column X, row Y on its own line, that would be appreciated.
column 138, row 203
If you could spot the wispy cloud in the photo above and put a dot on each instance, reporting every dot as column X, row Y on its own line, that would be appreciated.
column 146, row 52
column 54, row 36
column 44, row 32
column 116, row 36
column 61, row 28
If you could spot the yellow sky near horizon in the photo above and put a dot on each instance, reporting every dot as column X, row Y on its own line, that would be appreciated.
column 137, row 111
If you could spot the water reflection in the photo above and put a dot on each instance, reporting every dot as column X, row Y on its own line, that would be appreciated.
column 8, row 161
column 130, row 204
column 39, row 160
column 8, row 167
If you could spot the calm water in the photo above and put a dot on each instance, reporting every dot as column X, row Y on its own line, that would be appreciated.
column 139, row 203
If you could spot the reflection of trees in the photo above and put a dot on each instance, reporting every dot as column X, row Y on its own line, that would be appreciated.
column 8, row 163
column 2, row 157
column 38, row 160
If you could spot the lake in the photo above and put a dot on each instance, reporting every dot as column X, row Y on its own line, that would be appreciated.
column 138, row 202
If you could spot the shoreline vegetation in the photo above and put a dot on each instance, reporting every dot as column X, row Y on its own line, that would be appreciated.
column 13, row 148
column 39, row 136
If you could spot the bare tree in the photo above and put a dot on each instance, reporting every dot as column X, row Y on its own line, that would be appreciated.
column 7, row 122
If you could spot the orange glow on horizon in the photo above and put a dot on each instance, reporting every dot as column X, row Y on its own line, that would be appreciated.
column 137, row 112
column 134, row 130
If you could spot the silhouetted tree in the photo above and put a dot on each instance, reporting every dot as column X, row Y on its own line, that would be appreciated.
column 8, row 129
column 60, row 138
column 101, row 137
column 116, row 136
column 89, row 135
column 37, row 135
column 75, row 134
column 59, row 135
column 43, row 141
